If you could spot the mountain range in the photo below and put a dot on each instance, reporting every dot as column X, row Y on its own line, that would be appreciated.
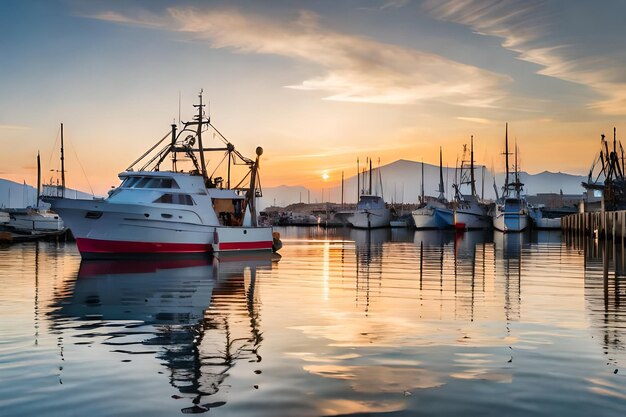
column 401, row 183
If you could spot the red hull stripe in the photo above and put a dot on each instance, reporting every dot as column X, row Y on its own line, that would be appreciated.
column 114, row 246
column 245, row 245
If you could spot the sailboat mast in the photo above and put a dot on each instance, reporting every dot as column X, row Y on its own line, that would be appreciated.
column 441, row 189
column 370, row 188
column 38, row 178
column 472, row 179
column 62, row 164
column 517, row 183
column 506, row 154
column 482, row 178
column 358, row 180
column 422, row 181
column 341, row 188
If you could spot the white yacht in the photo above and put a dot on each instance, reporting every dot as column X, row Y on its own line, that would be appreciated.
column 176, row 211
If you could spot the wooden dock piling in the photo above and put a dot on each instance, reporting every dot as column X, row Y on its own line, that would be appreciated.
column 610, row 225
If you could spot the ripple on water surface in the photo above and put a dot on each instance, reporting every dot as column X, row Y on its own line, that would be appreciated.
column 344, row 322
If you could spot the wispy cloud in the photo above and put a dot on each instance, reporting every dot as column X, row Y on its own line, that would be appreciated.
column 351, row 68
column 475, row 120
column 14, row 127
column 528, row 28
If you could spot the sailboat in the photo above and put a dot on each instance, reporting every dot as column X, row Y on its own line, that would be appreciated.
column 469, row 211
column 510, row 213
column 434, row 213
column 371, row 211
column 155, row 210
column 35, row 219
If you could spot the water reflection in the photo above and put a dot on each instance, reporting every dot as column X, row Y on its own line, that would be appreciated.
column 605, row 276
column 348, row 322
column 198, row 316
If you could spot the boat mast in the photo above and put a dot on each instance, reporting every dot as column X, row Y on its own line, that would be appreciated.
column 62, row 164
column 341, row 188
column 482, row 178
column 517, row 183
column 370, row 188
column 422, row 191
column 441, row 189
column 38, row 178
column 173, row 144
column 506, row 153
column 199, row 118
column 358, row 180
column 472, row 179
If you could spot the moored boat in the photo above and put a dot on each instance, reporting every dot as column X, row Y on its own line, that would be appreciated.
column 434, row 213
column 510, row 213
column 177, row 211
column 469, row 211
column 371, row 211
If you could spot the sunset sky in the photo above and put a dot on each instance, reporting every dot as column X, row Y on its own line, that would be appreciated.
column 316, row 83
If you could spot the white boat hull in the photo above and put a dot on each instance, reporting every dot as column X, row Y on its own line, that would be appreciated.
column 510, row 222
column 35, row 222
column 432, row 218
column 109, row 228
column 473, row 220
column 370, row 219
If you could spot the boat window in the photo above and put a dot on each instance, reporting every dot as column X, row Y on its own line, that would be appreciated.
column 141, row 183
column 184, row 199
column 130, row 181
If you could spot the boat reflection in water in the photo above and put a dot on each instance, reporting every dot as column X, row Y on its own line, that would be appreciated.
column 197, row 316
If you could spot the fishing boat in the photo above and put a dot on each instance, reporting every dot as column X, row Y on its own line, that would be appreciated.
column 155, row 210
column 371, row 211
column 433, row 213
column 510, row 213
column 606, row 183
column 469, row 210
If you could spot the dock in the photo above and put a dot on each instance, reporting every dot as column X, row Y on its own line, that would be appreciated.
column 610, row 225
column 9, row 237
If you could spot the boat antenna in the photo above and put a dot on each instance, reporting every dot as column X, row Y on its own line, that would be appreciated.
column 62, row 164
column 179, row 100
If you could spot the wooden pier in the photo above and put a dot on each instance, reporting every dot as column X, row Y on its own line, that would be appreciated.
column 610, row 225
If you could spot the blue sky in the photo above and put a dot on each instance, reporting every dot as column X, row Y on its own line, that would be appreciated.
column 316, row 83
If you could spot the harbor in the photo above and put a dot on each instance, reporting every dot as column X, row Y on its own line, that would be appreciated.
column 390, row 208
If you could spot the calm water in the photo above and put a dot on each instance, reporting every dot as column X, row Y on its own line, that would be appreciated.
column 390, row 322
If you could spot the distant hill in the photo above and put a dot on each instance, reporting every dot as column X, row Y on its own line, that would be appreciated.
column 401, row 182
column 16, row 195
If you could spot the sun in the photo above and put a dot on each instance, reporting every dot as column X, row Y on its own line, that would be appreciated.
column 325, row 176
